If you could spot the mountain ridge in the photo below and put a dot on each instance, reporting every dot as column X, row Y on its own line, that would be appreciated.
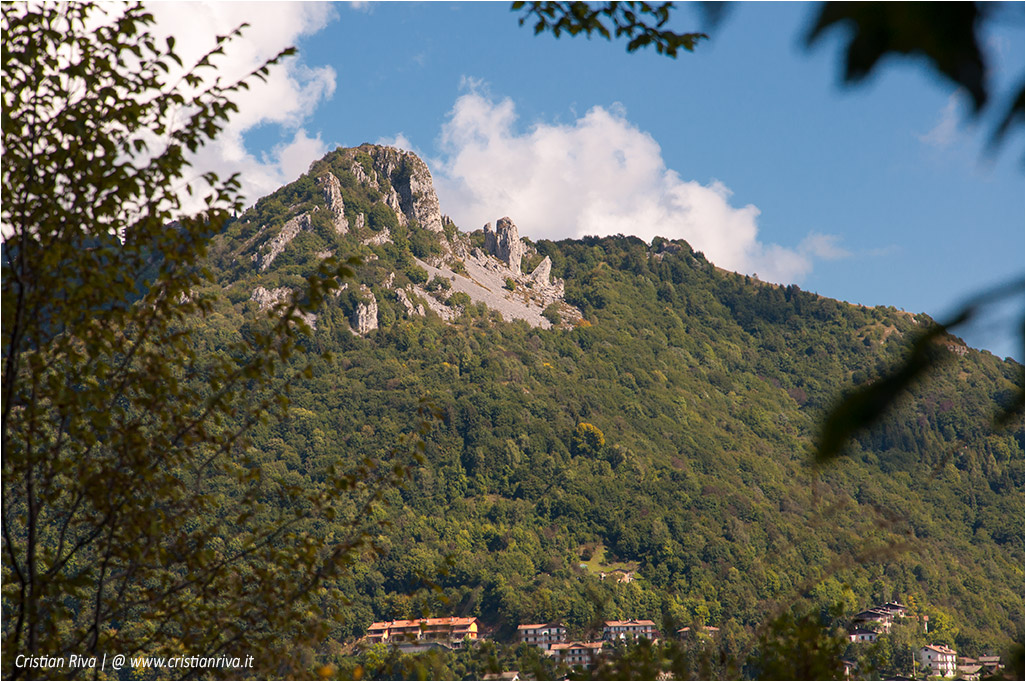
column 706, row 388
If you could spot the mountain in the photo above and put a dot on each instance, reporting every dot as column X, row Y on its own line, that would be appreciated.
column 611, row 407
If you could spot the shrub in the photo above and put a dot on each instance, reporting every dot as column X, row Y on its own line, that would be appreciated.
column 417, row 274
column 458, row 299
column 439, row 283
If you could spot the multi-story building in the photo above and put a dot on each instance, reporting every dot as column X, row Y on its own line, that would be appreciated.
column 450, row 632
column 894, row 608
column 584, row 654
column 877, row 617
column 542, row 635
column 628, row 629
column 939, row 659
column 862, row 635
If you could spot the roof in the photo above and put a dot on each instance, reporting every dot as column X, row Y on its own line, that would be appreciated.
column 423, row 622
column 988, row 659
column 700, row 628
column 535, row 626
column 940, row 648
column 619, row 623
column 872, row 614
column 576, row 645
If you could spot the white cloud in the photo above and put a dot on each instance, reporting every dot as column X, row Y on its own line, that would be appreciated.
column 599, row 175
column 823, row 246
column 361, row 6
column 399, row 141
column 290, row 93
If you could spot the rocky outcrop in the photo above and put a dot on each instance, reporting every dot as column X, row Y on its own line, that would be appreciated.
column 268, row 298
column 378, row 239
column 365, row 318
column 277, row 244
column 356, row 168
column 414, row 191
column 392, row 201
column 265, row 298
column 332, row 190
column 505, row 243
column 541, row 274
column 360, row 221
column 486, row 275
column 443, row 311
column 411, row 308
column 417, row 193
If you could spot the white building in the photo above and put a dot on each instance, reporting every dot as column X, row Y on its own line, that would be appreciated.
column 542, row 635
column 939, row 659
column 634, row 629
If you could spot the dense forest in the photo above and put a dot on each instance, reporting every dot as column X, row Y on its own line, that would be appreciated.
column 667, row 433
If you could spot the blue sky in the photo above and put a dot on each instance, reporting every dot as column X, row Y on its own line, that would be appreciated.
column 749, row 147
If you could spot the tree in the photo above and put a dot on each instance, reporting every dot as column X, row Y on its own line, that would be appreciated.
column 587, row 440
column 946, row 35
column 136, row 517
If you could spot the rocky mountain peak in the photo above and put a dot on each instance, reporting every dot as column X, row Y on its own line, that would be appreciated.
column 413, row 191
column 379, row 202
column 505, row 243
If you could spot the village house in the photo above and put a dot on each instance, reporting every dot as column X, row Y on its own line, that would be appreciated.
column 968, row 669
column 862, row 635
column 878, row 617
column 542, row 635
column 939, row 659
column 895, row 609
column 624, row 629
column 697, row 631
column 424, row 633
column 584, row 654
column 990, row 664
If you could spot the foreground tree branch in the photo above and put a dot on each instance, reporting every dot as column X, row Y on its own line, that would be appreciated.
column 120, row 424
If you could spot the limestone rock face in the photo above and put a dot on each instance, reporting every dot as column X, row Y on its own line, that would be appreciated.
column 411, row 181
column 417, row 193
column 380, row 238
column 393, row 203
column 365, row 318
column 505, row 243
column 266, row 298
column 542, row 272
column 332, row 189
column 408, row 304
column 277, row 244
column 361, row 175
column 360, row 221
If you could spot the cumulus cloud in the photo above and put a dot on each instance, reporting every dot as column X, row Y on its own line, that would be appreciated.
column 292, row 89
column 599, row 175
column 399, row 141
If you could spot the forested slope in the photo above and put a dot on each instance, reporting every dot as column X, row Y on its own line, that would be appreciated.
column 667, row 433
